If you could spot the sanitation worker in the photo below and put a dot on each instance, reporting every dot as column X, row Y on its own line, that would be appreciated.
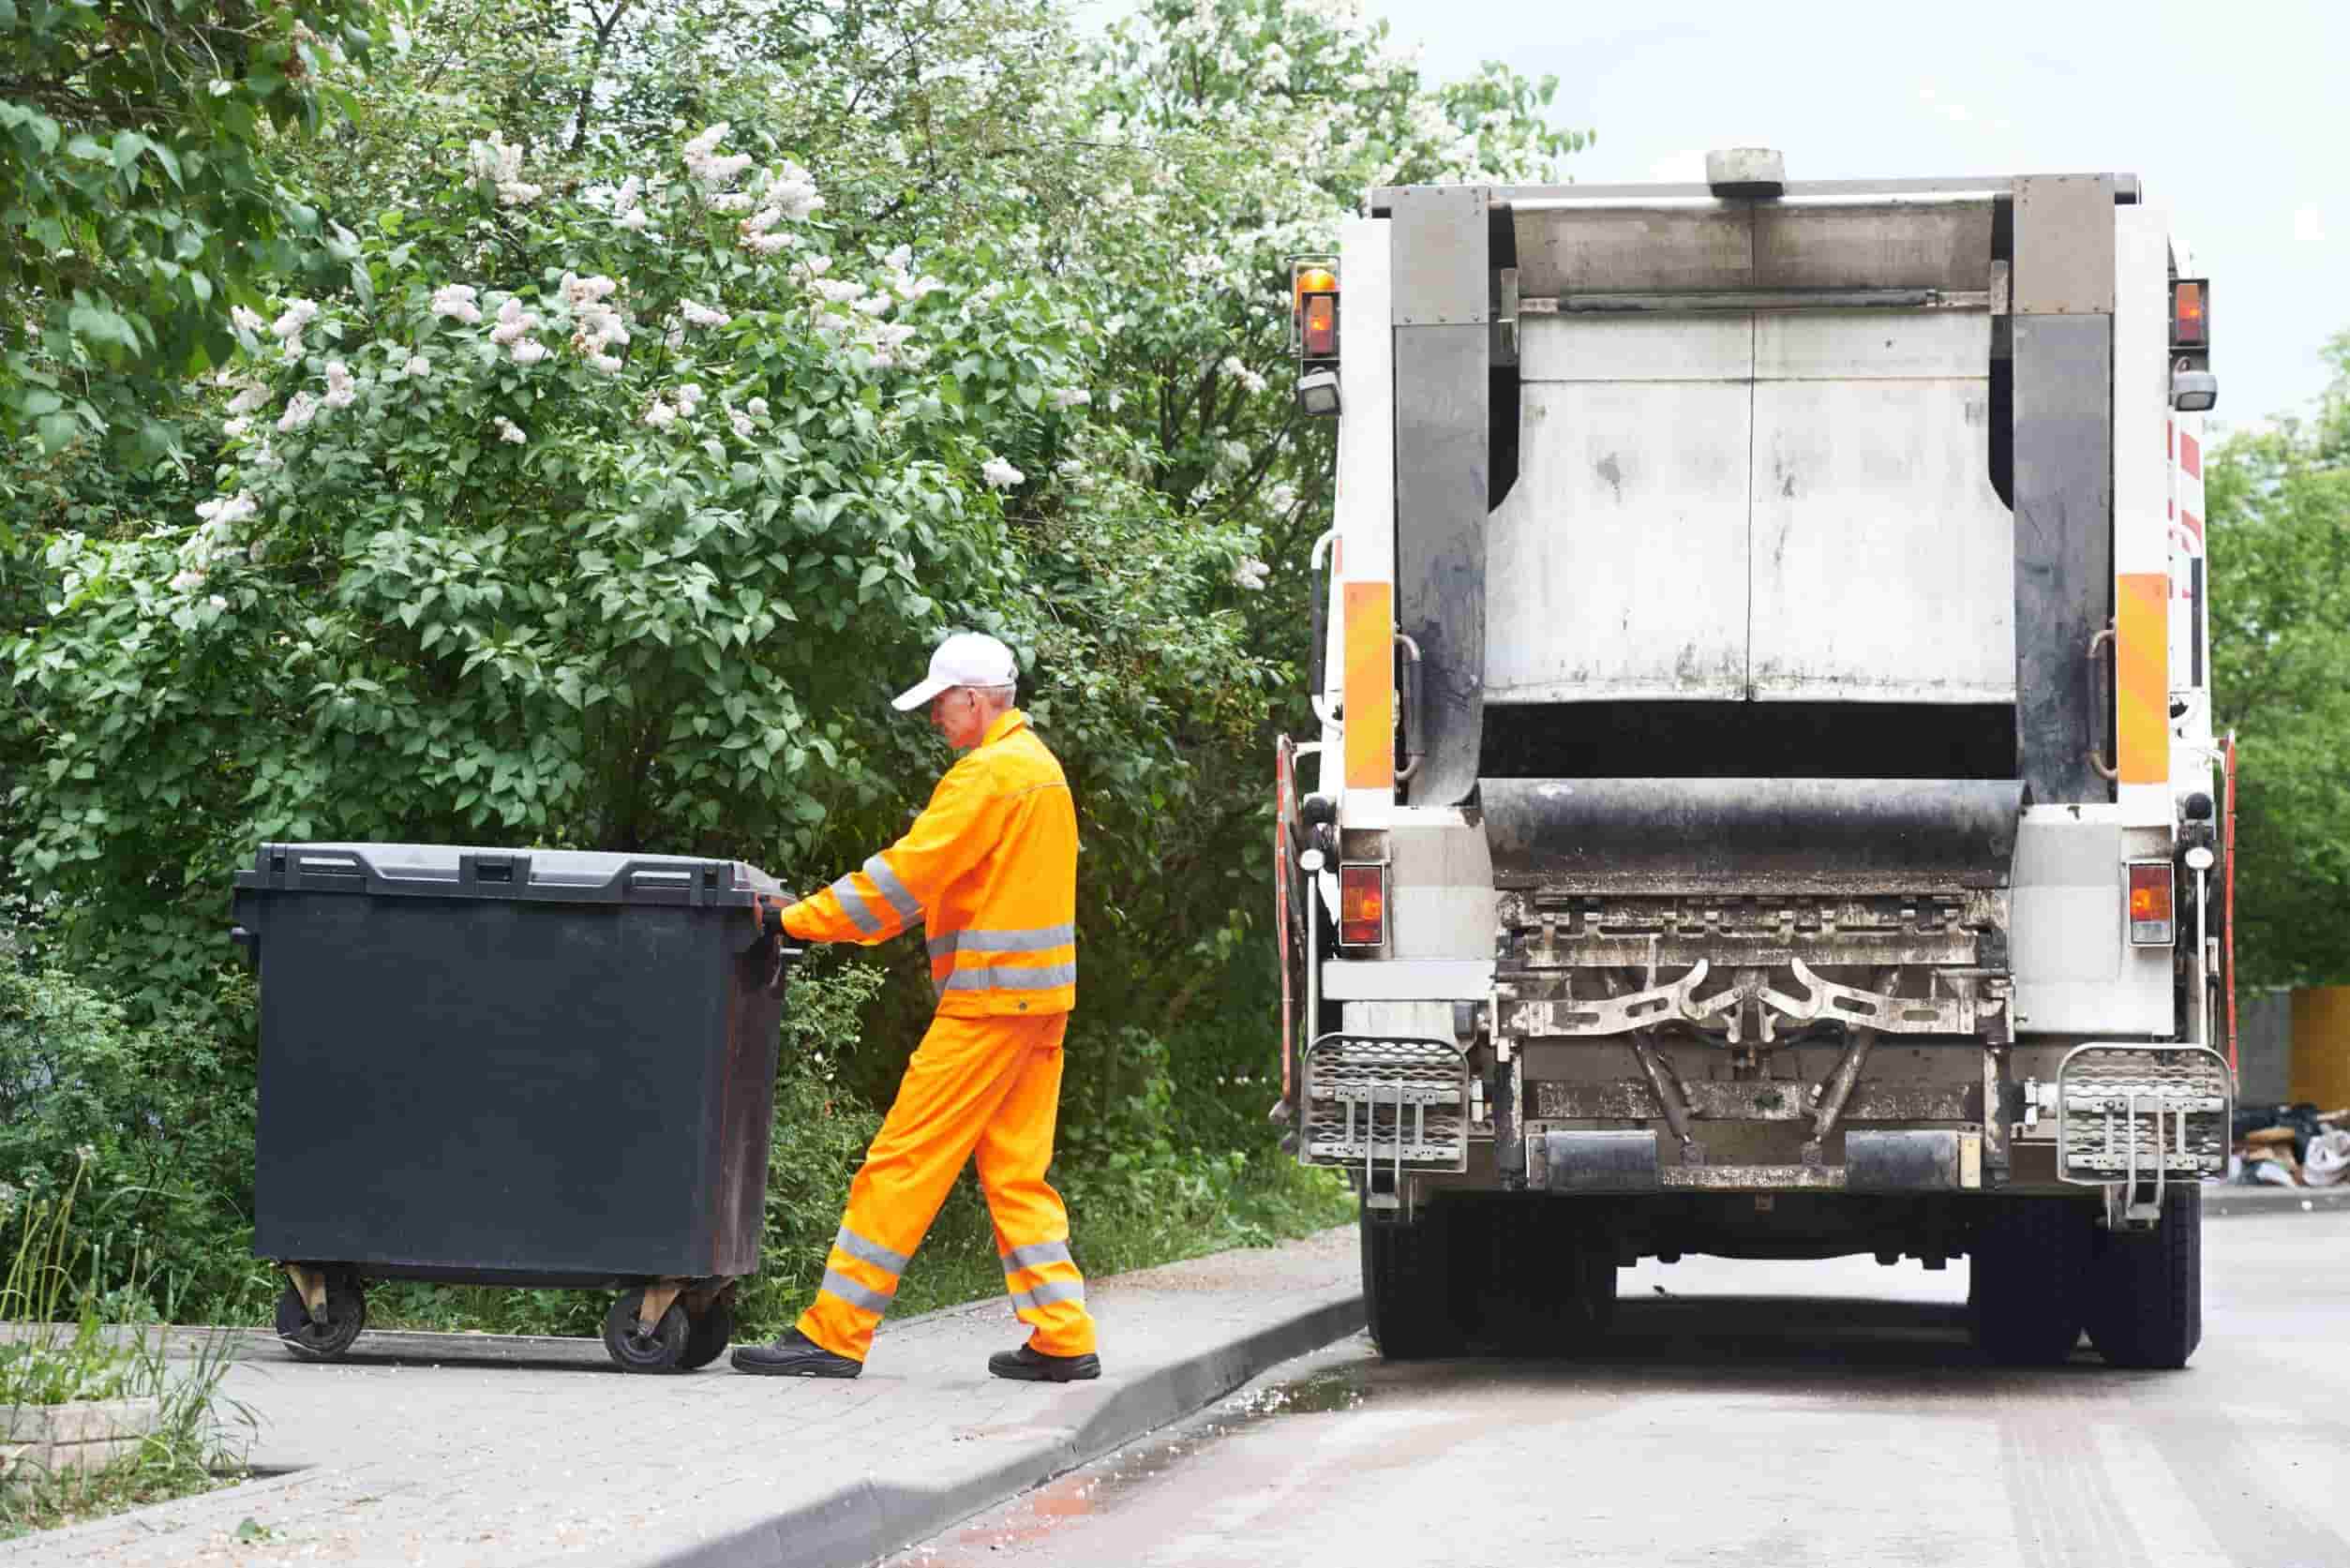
column 990, row 867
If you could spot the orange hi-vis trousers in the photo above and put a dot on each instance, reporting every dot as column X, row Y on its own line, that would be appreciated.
column 984, row 1087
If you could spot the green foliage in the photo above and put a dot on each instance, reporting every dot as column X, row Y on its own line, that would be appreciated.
column 135, row 203
column 2279, row 499
column 155, row 1121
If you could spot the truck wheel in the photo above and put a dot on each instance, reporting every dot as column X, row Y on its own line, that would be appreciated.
column 1599, row 1288
column 2146, row 1288
column 2024, row 1294
column 1409, row 1288
column 1540, row 1282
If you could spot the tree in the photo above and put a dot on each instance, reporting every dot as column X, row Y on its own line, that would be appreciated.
column 2279, row 498
column 134, row 203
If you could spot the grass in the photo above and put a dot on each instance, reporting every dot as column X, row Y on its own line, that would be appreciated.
column 64, row 1352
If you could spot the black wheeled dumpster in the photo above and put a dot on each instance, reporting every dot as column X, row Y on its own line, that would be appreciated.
column 530, row 1067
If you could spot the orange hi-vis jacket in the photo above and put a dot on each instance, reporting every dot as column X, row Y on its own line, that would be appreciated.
column 991, row 867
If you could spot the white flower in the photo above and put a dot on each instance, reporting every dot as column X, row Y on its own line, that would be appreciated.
column 528, row 352
column 689, row 398
column 732, row 202
column 220, row 87
column 758, row 407
column 633, row 220
column 417, row 368
column 218, row 603
column 299, row 313
column 235, row 428
column 768, row 245
column 913, row 359
column 187, row 581
column 759, row 222
column 1250, row 574
column 698, row 315
column 501, row 165
column 251, row 400
column 610, row 365
column 1070, row 396
column 1240, row 372
column 742, row 425
column 999, row 474
column 223, row 513
column 624, row 199
column 913, row 289
column 512, row 323
column 900, row 259
column 340, row 391
column 812, row 267
column 261, row 456
column 580, row 292
column 508, row 430
column 706, row 143
column 293, row 350
column 456, row 303
column 876, row 305
column 660, row 415
column 715, row 172
column 247, row 321
column 300, row 409
column 840, row 291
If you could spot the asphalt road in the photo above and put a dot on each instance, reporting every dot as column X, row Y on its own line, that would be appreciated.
column 1763, row 1414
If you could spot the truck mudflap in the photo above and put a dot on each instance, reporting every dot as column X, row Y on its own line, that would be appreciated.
column 1775, row 835
column 1387, row 1106
column 2134, row 1118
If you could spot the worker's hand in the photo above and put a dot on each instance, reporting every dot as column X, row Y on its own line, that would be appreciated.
column 770, row 913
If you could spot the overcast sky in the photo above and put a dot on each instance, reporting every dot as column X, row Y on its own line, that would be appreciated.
column 2236, row 115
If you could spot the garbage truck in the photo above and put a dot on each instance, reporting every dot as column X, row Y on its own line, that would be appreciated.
column 1765, row 800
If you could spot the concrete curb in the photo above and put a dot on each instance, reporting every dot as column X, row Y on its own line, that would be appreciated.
column 867, row 1521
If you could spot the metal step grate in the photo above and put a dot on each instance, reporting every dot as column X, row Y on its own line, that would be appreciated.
column 1377, row 1101
column 2135, row 1113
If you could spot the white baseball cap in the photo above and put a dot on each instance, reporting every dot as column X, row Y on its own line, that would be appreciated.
column 964, row 658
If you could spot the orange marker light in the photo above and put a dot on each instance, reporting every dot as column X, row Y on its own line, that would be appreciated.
column 1362, row 906
column 2152, row 921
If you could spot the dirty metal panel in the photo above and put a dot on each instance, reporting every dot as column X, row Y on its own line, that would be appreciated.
column 1635, row 347
column 1622, row 250
column 2063, row 489
column 2075, row 972
column 1443, row 878
column 1617, row 568
column 1439, row 257
column 2064, row 245
column 1774, row 1100
column 1883, row 563
column 1788, row 834
column 1939, row 244
column 1443, row 389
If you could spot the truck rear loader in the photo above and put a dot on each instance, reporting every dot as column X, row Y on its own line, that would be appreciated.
column 1765, row 800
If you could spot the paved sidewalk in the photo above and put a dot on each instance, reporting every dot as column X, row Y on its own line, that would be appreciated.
column 2236, row 1199
column 453, row 1450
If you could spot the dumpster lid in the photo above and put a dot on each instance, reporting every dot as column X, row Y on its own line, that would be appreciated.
column 456, row 871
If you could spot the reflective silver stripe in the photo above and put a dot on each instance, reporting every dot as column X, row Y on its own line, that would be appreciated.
column 905, row 903
column 871, row 1252
column 1036, row 940
column 853, row 904
column 1036, row 1255
column 1045, row 1296
column 849, row 1291
column 1051, row 977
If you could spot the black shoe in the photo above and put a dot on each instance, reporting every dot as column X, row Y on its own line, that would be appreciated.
column 1030, row 1365
column 794, row 1356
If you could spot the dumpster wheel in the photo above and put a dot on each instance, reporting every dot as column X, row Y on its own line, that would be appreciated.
column 709, row 1332
column 346, row 1305
column 631, row 1348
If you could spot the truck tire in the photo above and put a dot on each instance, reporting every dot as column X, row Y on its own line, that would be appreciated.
column 1540, row 1281
column 2024, row 1295
column 2146, row 1288
column 1409, row 1290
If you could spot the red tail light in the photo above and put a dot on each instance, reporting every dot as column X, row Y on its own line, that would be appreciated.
column 1322, row 326
column 2190, row 313
column 2152, row 921
column 1362, row 906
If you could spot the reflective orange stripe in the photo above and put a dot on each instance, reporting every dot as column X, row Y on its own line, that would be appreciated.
column 1370, row 690
column 2142, row 676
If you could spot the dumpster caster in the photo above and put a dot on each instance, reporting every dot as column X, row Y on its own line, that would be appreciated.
column 634, row 1348
column 709, row 1332
column 318, row 1318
